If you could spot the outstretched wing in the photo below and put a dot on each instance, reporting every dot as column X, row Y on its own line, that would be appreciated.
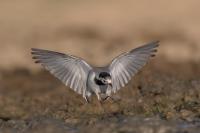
column 126, row 65
column 71, row 70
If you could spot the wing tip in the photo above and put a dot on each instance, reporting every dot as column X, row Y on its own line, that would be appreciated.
column 34, row 53
column 32, row 49
column 155, row 50
column 35, row 49
column 156, row 43
column 37, row 61
column 34, row 57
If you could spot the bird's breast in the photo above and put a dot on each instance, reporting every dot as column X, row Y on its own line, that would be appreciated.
column 91, row 85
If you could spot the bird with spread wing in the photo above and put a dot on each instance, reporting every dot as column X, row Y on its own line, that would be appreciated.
column 101, row 81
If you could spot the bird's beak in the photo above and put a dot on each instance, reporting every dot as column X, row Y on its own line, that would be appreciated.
column 109, row 81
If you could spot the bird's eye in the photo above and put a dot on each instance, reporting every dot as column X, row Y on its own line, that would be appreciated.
column 103, row 80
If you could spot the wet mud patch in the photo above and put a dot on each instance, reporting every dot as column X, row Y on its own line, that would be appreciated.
column 162, row 97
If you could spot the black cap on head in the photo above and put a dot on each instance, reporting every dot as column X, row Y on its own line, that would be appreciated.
column 104, row 75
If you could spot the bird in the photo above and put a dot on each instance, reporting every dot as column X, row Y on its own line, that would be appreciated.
column 88, row 80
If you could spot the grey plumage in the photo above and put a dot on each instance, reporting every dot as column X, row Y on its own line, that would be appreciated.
column 102, row 81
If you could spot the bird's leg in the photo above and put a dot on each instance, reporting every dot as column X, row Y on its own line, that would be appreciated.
column 108, row 98
column 87, row 96
column 112, row 98
column 87, row 100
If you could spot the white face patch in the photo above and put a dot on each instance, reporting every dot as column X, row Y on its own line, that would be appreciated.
column 109, row 81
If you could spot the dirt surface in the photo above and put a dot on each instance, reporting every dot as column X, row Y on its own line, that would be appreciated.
column 159, row 99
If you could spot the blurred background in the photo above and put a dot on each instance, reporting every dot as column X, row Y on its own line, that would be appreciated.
column 167, row 89
column 97, row 29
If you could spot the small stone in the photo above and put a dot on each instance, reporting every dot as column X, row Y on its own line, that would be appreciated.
column 187, row 115
column 72, row 121
column 169, row 115
column 92, row 121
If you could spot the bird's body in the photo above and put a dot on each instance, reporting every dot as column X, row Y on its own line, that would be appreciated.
column 96, row 85
column 101, row 81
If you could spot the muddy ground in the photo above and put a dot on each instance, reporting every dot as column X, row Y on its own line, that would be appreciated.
column 161, row 98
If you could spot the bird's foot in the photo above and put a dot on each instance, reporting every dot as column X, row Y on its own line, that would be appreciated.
column 113, row 98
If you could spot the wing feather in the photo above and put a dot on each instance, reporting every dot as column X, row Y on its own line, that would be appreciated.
column 71, row 70
column 126, row 65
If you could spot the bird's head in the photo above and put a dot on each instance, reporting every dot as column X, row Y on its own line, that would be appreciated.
column 105, row 78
